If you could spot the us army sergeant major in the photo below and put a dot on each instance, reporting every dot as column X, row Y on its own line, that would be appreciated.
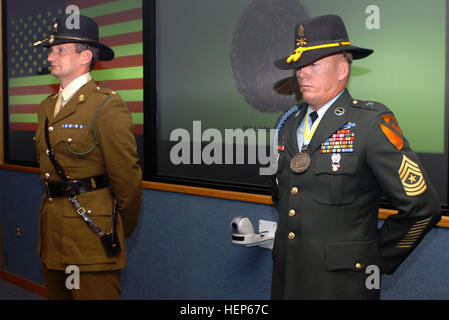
column 337, row 155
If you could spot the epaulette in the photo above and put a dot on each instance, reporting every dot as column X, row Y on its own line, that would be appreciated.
column 52, row 96
column 370, row 105
column 105, row 91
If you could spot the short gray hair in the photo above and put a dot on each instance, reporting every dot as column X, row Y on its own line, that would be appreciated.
column 80, row 47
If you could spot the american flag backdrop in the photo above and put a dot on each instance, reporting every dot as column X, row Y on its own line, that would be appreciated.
column 120, row 27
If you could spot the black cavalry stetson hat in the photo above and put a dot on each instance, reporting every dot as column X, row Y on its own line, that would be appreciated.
column 69, row 32
column 318, row 38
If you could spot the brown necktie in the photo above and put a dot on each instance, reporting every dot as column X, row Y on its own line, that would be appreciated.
column 58, row 105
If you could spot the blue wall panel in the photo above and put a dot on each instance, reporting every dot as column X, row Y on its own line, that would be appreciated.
column 182, row 250
column 20, row 198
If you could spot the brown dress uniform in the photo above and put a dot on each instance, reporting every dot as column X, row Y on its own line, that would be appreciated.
column 92, row 135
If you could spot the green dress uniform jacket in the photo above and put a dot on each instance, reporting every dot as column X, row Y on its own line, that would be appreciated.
column 327, row 231
column 86, row 151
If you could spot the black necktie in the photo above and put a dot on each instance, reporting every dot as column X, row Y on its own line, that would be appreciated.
column 313, row 116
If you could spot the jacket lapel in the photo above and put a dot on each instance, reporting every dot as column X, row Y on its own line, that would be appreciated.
column 332, row 120
column 49, row 106
column 78, row 98
column 291, row 141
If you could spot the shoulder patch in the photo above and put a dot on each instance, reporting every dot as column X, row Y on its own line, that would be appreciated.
column 390, row 128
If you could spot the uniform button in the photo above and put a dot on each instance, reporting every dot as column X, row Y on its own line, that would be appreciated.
column 295, row 190
column 47, row 152
column 50, row 129
column 358, row 266
column 355, row 101
column 291, row 236
column 50, row 199
column 69, row 140
column 47, row 176
column 291, row 213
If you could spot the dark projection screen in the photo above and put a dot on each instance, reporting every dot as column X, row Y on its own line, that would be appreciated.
column 214, row 74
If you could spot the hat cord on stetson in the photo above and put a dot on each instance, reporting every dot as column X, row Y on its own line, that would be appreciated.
column 63, row 37
column 298, row 51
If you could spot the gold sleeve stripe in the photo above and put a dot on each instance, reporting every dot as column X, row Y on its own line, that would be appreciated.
column 417, row 228
column 407, row 241
column 414, row 230
column 413, row 234
column 425, row 221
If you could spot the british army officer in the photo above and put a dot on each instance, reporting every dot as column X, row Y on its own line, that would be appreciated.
column 88, row 161
column 336, row 156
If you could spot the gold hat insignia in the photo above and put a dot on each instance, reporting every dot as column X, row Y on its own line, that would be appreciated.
column 301, row 40
column 39, row 42
column 81, row 98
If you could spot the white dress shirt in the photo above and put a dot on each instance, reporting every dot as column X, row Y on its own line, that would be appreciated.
column 67, row 93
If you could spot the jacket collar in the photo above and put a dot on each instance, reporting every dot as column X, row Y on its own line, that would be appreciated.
column 69, row 91
column 77, row 99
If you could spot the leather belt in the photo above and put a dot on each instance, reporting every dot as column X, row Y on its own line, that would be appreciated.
column 71, row 188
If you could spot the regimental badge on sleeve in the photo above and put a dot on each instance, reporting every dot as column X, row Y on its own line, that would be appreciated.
column 411, row 177
column 390, row 128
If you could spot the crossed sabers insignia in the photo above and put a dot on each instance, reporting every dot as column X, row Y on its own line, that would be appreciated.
column 301, row 42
